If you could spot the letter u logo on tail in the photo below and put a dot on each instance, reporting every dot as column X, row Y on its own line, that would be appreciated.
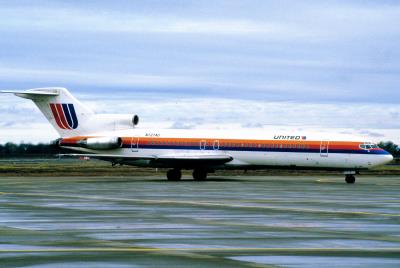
column 65, row 115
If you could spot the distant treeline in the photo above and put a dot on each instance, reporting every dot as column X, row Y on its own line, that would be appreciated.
column 12, row 150
column 390, row 147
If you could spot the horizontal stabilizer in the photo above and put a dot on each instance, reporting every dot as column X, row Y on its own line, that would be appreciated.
column 30, row 92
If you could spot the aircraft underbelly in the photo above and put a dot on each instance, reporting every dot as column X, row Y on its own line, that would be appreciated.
column 259, row 159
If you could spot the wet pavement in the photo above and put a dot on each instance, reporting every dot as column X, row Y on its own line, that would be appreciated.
column 274, row 221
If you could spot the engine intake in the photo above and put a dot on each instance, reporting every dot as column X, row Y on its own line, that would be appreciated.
column 135, row 120
column 102, row 143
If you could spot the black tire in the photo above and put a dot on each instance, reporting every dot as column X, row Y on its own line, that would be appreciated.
column 199, row 175
column 350, row 179
column 174, row 175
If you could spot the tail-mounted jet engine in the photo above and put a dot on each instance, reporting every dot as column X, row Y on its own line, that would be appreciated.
column 135, row 120
column 116, row 121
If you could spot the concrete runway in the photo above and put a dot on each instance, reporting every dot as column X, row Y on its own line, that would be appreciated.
column 224, row 222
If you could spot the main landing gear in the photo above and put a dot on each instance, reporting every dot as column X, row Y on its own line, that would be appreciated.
column 350, row 178
column 199, row 174
column 176, row 174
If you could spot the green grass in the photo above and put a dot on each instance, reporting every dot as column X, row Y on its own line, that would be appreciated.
column 71, row 167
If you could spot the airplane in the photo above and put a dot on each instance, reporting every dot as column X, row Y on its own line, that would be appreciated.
column 117, row 139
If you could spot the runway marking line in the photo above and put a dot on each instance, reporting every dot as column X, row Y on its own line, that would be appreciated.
column 222, row 250
column 202, row 203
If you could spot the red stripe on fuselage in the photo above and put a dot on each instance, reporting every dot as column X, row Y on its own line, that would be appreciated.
column 62, row 116
column 56, row 116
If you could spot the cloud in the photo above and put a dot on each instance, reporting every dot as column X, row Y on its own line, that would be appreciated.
column 307, row 20
column 94, row 78
column 371, row 133
column 196, row 64
column 395, row 115
column 181, row 125
column 217, row 113
column 309, row 51
column 252, row 125
column 78, row 20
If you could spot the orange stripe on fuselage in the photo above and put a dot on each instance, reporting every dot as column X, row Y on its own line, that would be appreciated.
column 339, row 145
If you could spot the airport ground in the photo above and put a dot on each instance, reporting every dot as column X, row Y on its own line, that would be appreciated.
column 72, row 167
column 135, row 218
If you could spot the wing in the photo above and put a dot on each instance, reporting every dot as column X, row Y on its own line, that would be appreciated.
column 108, row 157
column 172, row 160
column 193, row 160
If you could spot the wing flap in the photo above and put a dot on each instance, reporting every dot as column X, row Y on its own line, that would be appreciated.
column 193, row 160
column 109, row 156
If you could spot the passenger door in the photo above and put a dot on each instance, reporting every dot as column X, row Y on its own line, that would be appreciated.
column 203, row 144
column 216, row 145
column 135, row 144
column 324, row 148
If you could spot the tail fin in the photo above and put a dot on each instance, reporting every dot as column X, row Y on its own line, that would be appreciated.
column 67, row 115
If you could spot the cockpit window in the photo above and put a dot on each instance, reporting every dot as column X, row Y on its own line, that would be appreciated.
column 368, row 146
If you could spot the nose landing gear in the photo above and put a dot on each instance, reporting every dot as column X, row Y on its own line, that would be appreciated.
column 350, row 178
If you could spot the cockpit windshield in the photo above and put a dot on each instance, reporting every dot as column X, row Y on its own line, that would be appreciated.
column 368, row 146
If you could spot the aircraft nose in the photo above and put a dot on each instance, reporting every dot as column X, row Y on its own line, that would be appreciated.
column 389, row 157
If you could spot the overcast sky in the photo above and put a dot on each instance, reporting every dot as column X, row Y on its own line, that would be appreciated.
column 325, row 65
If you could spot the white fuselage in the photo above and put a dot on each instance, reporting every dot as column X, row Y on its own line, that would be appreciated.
column 248, row 148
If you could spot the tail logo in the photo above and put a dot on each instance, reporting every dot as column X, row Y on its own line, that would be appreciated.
column 65, row 115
